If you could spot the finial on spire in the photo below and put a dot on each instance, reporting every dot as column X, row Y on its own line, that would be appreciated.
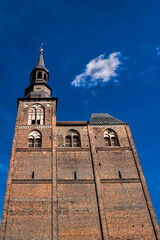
column 41, row 48
column 40, row 60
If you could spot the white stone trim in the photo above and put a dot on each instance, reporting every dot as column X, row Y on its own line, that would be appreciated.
column 106, row 126
column 35, row 126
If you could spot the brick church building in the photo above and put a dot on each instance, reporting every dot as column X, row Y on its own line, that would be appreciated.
column 71, row 180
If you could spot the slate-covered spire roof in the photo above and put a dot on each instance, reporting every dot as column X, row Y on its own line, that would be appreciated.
column 104, row 119
column 39, row 77
column 40, row 62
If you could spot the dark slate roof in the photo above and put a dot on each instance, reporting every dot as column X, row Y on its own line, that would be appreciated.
column 104, row 119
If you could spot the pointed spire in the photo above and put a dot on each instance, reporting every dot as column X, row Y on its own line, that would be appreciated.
column 39, row 80
column 41, row 60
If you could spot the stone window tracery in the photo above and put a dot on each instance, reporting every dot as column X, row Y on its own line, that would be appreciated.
column 36, row 115
column 35, row 139
column 72, row 139
column 111, row 138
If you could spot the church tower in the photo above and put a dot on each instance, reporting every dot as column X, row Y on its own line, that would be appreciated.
column 76, row 180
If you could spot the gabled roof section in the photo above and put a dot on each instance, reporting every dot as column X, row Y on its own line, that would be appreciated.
column 104, row 119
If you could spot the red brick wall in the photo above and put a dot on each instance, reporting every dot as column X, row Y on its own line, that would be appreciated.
column 28, row 203
column 98, row 205
column 77, row 212
column 126, row 212
column 29, row 212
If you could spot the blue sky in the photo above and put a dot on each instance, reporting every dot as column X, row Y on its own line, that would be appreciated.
column 86, row 40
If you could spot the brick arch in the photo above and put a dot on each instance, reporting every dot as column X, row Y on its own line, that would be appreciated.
column 111, row 137
column 72, row 138
column 34, row 138
column 36, row 114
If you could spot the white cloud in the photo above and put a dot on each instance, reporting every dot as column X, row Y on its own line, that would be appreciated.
column 99, row 70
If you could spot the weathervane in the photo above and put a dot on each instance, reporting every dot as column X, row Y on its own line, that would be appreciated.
column 41, row 47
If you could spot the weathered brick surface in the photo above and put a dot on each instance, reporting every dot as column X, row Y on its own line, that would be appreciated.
column 28, row 162
column 0, row 230
column 70, row 162
column 98, row 132
column 22, row 140
column 107, row 200
column 126, row 211
column 29, row 213
column 123, row 199
column 23, row 110
column 77, row 212
column 28, row 205
column 62, row 130
column 113, row 161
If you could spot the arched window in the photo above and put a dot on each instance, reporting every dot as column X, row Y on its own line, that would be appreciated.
column 31, row 142
column 72, row 139
column 34, row 139
column 111, row 138
column 32, row 116
column 107, row 140
column 114, row 141
column 76, row 142
column 68, row 141
column 45, row 76
column 39, row 75
column 36, row 115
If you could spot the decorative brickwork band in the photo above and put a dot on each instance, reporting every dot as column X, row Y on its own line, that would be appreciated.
column 106, row 126
column 33, row 150
column 72, row 181
column 78, row 149
column 129, row 180
column 111, row 148
column 33, row 126
column 31, row 181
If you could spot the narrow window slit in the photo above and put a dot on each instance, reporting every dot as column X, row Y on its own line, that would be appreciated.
column 120, row 175
column 75, row 175
column 32, row 175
